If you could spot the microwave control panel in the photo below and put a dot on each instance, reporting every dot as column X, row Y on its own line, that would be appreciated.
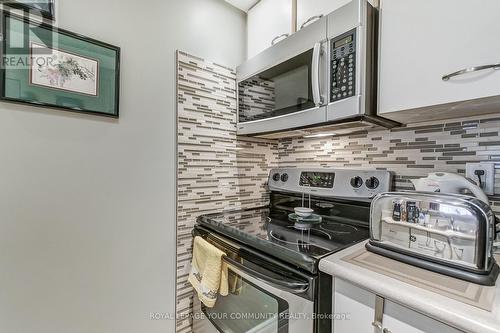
column 343, row 66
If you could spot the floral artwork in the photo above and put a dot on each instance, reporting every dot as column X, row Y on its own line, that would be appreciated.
column 63, row 70
column 48, row 67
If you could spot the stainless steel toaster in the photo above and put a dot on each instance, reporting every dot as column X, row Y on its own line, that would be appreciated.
column 445, row 233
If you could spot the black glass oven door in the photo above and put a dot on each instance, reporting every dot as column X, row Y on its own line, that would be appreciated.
column 248, row 308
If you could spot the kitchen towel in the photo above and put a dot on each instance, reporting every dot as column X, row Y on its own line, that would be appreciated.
column 208, row 274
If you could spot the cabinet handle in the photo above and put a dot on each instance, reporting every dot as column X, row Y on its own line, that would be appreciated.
column 471, row 70
column 309, row 20
column 378, row 326
column 279, row 38
column 379, row 314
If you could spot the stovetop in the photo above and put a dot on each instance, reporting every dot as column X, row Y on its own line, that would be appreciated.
column 269, row 229
column 340, row 196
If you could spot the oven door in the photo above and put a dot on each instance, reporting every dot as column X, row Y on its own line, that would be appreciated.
column 260, row 299
column 285, row 87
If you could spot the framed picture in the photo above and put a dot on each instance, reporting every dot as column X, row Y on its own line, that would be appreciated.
column 44, row 8
column 49, row 67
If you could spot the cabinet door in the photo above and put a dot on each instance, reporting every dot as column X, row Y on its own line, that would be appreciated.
column 397, row 319
column 421, row 41
column 309, row 8
column 265, row 21
column 354, row 308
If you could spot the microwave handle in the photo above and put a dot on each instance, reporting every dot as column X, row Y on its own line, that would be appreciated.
column 315, row 74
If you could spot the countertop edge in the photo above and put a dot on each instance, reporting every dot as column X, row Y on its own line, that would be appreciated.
column 463, row 317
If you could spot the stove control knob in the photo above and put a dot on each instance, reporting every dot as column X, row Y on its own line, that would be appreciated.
column 284, row 177
column 356, row 182
column 372, row 183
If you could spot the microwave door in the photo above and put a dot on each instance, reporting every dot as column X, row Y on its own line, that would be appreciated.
column 286, row 96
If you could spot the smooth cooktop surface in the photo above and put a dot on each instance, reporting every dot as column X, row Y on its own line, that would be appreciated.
column 301, row 243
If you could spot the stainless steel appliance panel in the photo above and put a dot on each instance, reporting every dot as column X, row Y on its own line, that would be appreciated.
column 352, row 67
column 346, row 18
column 311, row 80
column 346, row 183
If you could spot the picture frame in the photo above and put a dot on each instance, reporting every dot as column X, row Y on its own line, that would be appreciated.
column 45, row 66
column 43, row 8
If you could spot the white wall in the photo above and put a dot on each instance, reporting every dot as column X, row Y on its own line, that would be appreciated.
column 87, row 212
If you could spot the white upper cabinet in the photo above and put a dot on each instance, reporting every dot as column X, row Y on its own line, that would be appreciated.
column 307, row 9
column 267, row 20
column 422, row 41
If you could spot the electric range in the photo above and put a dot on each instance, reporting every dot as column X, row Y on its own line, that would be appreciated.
column 277, row 255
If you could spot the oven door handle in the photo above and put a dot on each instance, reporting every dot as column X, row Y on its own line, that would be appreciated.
column 315, row 74
column 292, row 286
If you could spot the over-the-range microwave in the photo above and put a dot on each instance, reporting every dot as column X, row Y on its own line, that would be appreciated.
column 320, row 79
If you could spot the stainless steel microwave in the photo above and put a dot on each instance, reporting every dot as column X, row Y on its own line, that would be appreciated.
column 321, row 78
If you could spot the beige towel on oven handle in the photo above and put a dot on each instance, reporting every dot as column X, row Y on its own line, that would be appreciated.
column 208, row 276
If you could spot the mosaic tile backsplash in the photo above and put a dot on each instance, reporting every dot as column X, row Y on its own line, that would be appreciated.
column 218, row 170
column 410, row 152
